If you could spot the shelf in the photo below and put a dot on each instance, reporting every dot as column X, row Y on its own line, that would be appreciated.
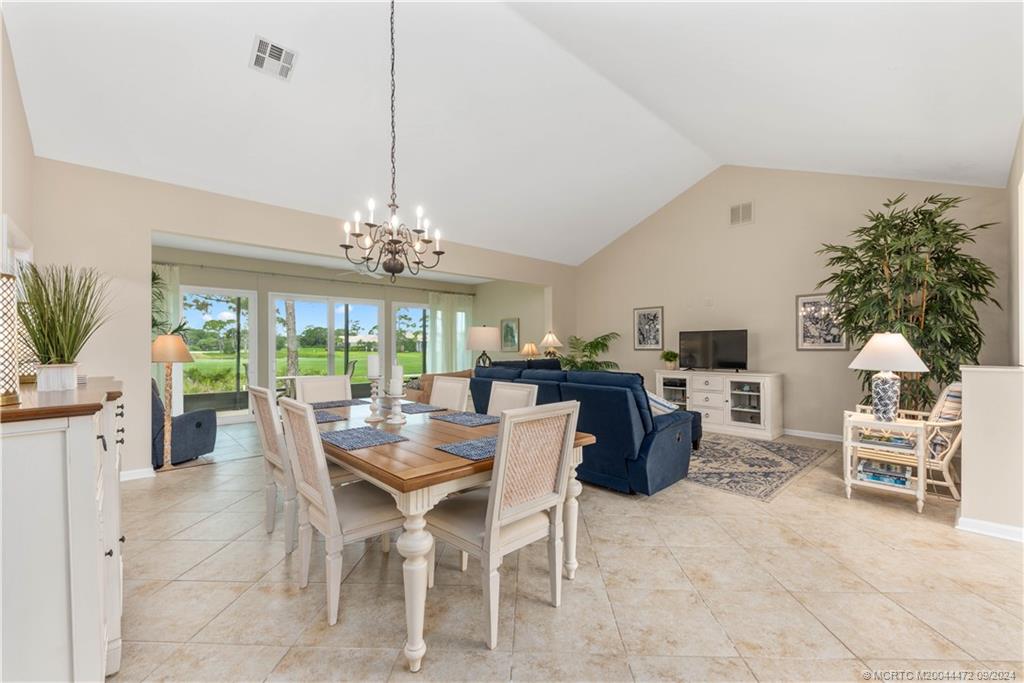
column 746, row 410
column 884, row 487
column 745, row 393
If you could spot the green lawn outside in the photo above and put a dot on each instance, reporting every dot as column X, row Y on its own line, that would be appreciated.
column 213, row 372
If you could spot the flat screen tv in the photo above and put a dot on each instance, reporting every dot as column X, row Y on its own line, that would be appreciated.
column 713, row 349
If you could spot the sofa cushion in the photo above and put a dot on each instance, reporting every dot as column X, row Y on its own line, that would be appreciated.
column 499, row 372
column 547, row 392
column 521, row 364
column 626, row 380
column 544, row 364
column 544, row 375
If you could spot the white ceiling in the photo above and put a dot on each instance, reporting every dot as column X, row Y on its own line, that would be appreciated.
column 539, row 129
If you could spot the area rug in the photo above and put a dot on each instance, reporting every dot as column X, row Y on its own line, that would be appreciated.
column 757, row 469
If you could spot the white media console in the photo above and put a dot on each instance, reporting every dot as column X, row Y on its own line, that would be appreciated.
column 739, row 403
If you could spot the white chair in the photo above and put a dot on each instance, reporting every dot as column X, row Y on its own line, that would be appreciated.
column 450, row 393
column 345, row 514
column 507, row 396
column 318, row 388
column 277, row 467
column 523, row 503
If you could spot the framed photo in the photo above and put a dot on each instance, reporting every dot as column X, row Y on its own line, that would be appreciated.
column 509, row 334
column 816, row 328
column 649, row 328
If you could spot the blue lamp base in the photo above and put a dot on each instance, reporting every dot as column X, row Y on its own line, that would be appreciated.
column 885, row 396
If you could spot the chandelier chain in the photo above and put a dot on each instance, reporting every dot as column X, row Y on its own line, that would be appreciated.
column 394, row 172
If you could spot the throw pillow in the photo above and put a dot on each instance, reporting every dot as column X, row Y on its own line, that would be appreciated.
column 660, row 406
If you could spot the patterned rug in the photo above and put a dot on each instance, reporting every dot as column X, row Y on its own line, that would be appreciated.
column 758, row 469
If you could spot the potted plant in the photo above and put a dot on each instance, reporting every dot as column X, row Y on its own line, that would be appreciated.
column 60, row 308
column 583, row 354
column 671, row 359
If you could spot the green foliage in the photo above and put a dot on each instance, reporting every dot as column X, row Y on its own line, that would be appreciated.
column 906, row 272
column 669, row 356
column 158, row 308
column 583, row 354
column 60, row 308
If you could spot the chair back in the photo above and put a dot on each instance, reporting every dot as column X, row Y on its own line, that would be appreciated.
column 949, row 407
column 450, row 393
column 945, row 440
column 316, row 388
column 263, row 405
column 309, row 465
column 531, row 463
column 508, row 396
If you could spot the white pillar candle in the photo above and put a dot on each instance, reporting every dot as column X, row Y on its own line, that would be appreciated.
column 397, row 372
column 348, row 229
column 395, row 386
column 371, row 205
column 437, row 240
column 372, row 365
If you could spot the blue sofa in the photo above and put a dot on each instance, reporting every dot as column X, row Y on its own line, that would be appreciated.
column 636, row 451
column 192, row 434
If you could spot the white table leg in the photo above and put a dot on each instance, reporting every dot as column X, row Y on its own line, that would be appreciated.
column 414, row 544
column 571, row 516
column 922, row 472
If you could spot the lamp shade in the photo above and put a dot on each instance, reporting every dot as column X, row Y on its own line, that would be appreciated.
column 529, row 349
column 888, row 351
column 483, row 339
column 550, row 341
column 170, row 348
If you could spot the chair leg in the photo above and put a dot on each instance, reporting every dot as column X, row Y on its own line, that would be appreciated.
column 431, row 563
column 949, row 474
column 270, row 502
column 492, row 585
column 463, row 560
column 555, row 561
column 385, row 543
column 305, row 546
column 291, row 524
column 334, row 563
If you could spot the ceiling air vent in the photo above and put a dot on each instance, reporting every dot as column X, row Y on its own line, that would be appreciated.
column 271, row 58
column 740, row 214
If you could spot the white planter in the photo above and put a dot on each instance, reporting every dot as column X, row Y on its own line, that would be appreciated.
column 57, row 377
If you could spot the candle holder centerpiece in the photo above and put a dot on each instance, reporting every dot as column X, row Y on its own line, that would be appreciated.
column 374, row 375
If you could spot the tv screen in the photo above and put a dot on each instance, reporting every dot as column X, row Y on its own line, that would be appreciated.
column 713, row 349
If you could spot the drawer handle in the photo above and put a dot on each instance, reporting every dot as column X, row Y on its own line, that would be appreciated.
column 706, row 382
column 119, row 414
column 707, row 399
column 103, row 440
column 120, row 406
column 109, row 553
column 121, row 540
column 119, row 441
column 707, row 414
column 120, row 430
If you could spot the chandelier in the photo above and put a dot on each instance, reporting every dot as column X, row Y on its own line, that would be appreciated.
column 391, row 244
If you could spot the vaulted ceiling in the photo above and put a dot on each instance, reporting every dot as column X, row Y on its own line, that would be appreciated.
column 542, row 129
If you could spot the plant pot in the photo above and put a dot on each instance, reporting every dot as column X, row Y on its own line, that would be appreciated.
column 670, row 365
column 57, row 377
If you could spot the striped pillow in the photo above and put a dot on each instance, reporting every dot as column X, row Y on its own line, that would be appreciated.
column 949, row 409
column 660, row 406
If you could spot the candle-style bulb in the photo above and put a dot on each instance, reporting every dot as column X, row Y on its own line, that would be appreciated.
column 348, row 229
column 371, row 205
column 437, row 240
column 359, row 220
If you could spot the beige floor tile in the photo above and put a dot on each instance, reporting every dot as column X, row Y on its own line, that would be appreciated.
column 543, row 668
column 1014, row 668
column 812, row 670
column 456, row 666
column 138, row 660
column 692, row 531
column 632, row 531
column 893, row 572
column 981, row 629
column 219, row 663
column 808, row 569
column 1012, row 558
column 675, row 501
column 687, row 669
column 874, row 626
column 259, row 532
column 760, row 532
column 724, row 569
column 168, row 559
column 583, row 623
column 253, row 482
column 221, row 526
column 824, row 531
column 334, row 664
column 287, row 570
column 1009, row 601
column 974, row 571
column 769, row 624
column 254, row 502
column 532, row 570
column 366, row 619
column 594, row 500
column 238, row 561
column 173, row 611
column 161, row 525
column 448, row 571
column 629, row 567
column 454, row 618
column 266, row 614
column 209, row 502
column 376, row 566
column 671, row 623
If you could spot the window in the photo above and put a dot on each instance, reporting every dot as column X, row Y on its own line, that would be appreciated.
column 410, row 324
column 218, row 335
column 356, row 334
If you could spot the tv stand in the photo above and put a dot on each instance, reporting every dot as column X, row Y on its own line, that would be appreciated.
column 730, row 402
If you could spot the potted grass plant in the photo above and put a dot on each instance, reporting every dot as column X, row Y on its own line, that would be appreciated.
column 671, row 359
column 60, row 308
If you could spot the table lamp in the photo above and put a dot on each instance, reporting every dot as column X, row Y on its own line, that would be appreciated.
column 889, row 353
column 529, row 350
column 483, row 339
column 169, row 349
column 550, row 343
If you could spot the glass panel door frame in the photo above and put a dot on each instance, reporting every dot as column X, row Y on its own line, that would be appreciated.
column 393, row 329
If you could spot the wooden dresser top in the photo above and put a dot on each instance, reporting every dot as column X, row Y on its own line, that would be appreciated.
column 87, row 399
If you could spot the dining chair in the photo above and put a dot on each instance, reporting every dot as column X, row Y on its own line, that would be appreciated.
column 508, row 395
column 523, row 504
column 345, row 514
column 450, row 393
column 317, row 388
column 278, row 469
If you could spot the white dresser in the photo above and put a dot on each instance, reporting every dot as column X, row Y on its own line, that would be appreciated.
column 61, row 575
column 740, row 403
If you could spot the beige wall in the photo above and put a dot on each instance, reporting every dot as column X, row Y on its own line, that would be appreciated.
column 89, row 217
column 497, row 300
column 1015, row 195
column 707, row 275
column 17, row 154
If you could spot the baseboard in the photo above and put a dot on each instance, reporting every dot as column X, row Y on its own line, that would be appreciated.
column 144, row 473
column 812, row 435
column 980, row 526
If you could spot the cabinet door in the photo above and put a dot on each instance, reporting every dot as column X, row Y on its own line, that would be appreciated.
column 746, row 404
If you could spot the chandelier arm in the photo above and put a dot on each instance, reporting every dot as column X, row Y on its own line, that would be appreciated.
column 437, row 260
column 413, row 266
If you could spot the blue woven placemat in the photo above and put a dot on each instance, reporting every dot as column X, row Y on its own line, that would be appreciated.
column 474, row 449
column 340, row 404
column 326, row 416
column 467, row 419
column 417, row 408
column 360, row 437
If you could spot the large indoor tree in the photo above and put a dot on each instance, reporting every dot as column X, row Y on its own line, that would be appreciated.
column 906, row 272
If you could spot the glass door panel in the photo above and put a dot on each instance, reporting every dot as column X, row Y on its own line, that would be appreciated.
column 411, row 339
column 218, row 334
column 301, row 343
column 745, row 403
column 356, row 334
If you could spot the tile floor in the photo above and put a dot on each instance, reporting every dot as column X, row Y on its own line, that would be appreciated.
column 689, row 585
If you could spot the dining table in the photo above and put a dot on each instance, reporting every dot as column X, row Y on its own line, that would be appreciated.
column 419, row 476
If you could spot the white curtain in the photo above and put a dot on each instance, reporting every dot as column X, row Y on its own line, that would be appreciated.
column 451, row 316
column 172, row 306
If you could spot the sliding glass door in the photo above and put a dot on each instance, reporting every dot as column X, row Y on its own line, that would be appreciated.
column 410, row 334
column 218, row 332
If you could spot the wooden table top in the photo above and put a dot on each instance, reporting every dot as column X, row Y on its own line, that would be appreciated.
column 416, row 463
column 85, row 399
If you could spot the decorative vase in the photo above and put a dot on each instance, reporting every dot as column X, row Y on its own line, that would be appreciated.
column 670, row 365
column 57, row 377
